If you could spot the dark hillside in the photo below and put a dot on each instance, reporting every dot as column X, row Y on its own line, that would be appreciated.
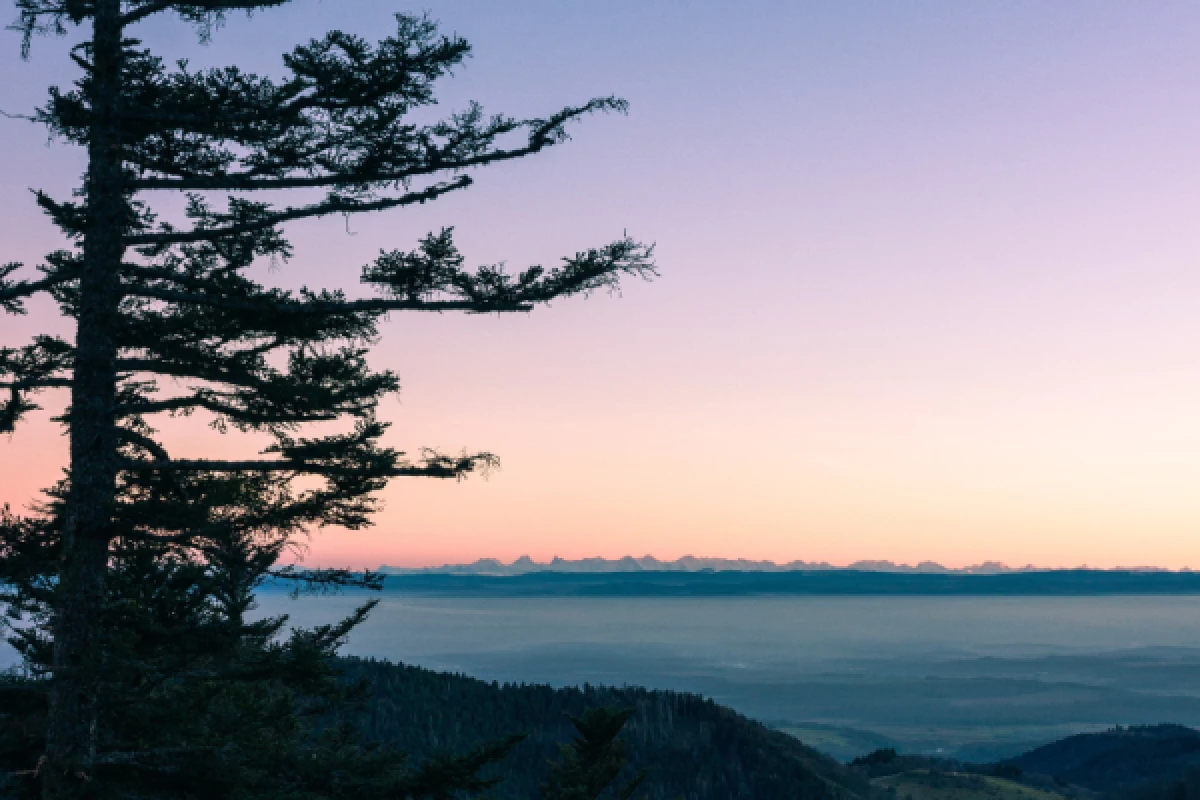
column 1118, row 758
column 694, row 748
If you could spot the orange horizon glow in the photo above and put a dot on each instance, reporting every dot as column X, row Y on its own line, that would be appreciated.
column 931, row 287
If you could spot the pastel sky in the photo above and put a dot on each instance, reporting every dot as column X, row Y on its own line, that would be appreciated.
column 930, row 282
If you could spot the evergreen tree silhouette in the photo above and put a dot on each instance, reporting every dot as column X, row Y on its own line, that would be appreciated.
column 590, row 765
column 128, row 593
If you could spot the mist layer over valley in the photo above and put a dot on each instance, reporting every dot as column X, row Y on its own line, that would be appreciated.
column 973, row 677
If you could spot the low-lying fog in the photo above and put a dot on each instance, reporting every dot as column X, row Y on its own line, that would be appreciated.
column 976, row 677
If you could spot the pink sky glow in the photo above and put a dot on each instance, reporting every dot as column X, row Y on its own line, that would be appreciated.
column 930, row 284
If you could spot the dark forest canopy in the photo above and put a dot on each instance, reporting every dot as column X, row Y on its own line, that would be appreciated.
column 130, row 592
column 688, row 746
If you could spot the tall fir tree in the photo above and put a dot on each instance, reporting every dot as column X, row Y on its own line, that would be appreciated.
column 589, row 767
column 128, row 593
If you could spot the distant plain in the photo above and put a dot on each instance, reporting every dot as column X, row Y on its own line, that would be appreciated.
column 973, row 677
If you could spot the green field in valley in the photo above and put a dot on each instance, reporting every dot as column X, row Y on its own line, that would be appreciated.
column 936, row 785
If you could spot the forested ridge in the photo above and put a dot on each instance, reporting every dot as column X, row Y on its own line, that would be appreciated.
column 692, row 747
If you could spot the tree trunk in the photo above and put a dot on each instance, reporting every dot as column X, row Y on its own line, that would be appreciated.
column 78, row 633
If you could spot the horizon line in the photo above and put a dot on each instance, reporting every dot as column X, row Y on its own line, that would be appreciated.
column 689, row 562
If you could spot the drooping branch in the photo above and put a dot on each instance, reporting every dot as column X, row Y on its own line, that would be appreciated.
column 45, row 16
column 333, row 204
column 397, row 170
column 211, row 402
column 33, row 384
column 194, row 10
column 435, row 466
column 313, row 309
column 143, row 442
column 434, row 271
column 352, row 462
column 68, row 216
column 41, row 365
column 430, row 278
column 316, row 386
column 13, row 292
column 326, row 581
column 197, row 370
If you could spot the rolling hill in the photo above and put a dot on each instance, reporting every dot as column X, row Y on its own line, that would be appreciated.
column 1118, row 759
column 694, row 748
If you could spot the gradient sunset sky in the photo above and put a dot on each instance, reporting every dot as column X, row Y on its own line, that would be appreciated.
column 930, row 282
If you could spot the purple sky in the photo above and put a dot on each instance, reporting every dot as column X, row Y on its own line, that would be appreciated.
column 930, row 283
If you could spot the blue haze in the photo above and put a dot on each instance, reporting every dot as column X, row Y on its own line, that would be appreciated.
column 977, row 677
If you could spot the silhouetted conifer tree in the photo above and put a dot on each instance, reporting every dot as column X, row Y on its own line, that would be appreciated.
column 128, row 594
column 589, row 766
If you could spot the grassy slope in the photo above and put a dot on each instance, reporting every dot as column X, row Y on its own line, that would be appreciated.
column 922, row 785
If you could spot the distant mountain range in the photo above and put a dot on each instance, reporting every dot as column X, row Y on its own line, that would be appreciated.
column 525, row 565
